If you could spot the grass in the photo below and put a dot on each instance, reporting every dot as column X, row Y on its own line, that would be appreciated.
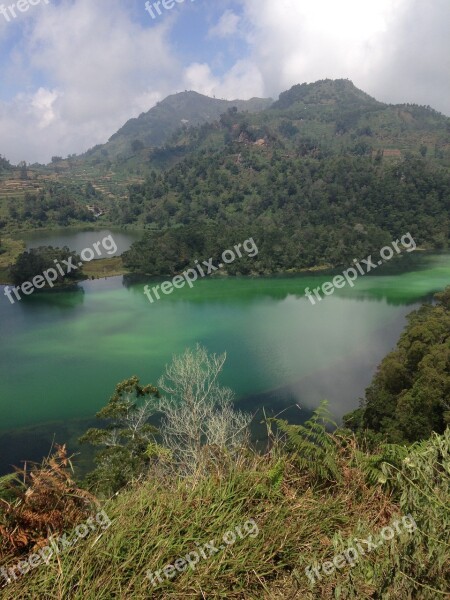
column 162, row 518
column 104, row 267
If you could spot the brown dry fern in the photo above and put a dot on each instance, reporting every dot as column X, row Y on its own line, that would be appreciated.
column 46, row 500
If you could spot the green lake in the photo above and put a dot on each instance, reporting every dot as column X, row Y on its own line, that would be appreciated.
column 62, row 353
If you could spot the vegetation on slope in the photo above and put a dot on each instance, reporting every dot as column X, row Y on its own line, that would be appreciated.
column 409, row 397
column 301, row 522
column 300, row 212
column 324, row 154
column 155, row 127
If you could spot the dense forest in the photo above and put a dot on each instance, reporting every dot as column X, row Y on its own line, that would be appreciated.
column 301, row 212
column 55, row 205
column 36, row 261
column 409, row 397
column 324, row 153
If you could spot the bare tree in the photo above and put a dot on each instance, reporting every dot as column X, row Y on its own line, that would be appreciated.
column 198, row 412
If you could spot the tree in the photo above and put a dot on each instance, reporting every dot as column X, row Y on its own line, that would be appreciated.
column 137, row 145
column 198, row 412
column 409, row 397
column 23, row 170
column 35, row 261
column 125, row 439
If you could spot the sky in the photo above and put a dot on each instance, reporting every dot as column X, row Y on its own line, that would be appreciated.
column 72, row 72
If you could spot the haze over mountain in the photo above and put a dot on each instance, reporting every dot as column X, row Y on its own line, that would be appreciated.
column 189, row 109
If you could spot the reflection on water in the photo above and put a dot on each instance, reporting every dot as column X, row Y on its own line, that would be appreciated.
column 65, row 351
column 79, row 239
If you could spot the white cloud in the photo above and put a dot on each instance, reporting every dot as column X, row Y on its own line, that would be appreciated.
column 42, row 104
column 227, row 25
column 105, row 68
column 414, row 56
column 242, row 81
column 397, row 50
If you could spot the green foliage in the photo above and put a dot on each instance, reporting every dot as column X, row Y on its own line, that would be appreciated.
column 271, row 486
column 8, row 487
column 375, row 466
column 409, row 397
column 161, row 518
column 156, row 451
column 127, row 437
column 314, row 449
column 276, row 475
column 37, row 260
column 303, row 211
column 422, row 486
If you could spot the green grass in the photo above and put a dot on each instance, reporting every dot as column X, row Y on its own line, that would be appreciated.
column 161, row 519
column 104, row 267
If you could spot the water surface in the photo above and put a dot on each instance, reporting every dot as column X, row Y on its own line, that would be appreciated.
column 63, row 353
column 77, row 240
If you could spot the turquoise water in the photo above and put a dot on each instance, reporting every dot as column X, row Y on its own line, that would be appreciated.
column 63, row 353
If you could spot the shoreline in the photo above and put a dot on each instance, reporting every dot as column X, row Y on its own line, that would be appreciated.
column 105, row 268
column 101, row 268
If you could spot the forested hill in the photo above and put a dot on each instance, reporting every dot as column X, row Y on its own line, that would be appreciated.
column 302, row 211
column 324, row 175
column 328, row 116
column 322, row 118
column 154, row 127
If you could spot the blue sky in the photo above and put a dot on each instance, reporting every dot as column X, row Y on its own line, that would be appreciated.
column 73, row 71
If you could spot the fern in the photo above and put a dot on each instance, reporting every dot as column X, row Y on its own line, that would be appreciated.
column 8, row 484
column 316, row 451
column 374, row 465
column 276, row 475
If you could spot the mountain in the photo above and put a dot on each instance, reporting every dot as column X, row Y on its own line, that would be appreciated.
column 323, row 153
column 339, row 93
column 325, row 174
column 186, row 109
column 332, row 116
column 338, row 113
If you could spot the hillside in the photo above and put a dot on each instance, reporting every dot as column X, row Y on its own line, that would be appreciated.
column 155, row 127
column 409, row 397
column 331, row 116
column 325, row 153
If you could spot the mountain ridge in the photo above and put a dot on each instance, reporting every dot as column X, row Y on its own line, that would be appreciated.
column 154, row 127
